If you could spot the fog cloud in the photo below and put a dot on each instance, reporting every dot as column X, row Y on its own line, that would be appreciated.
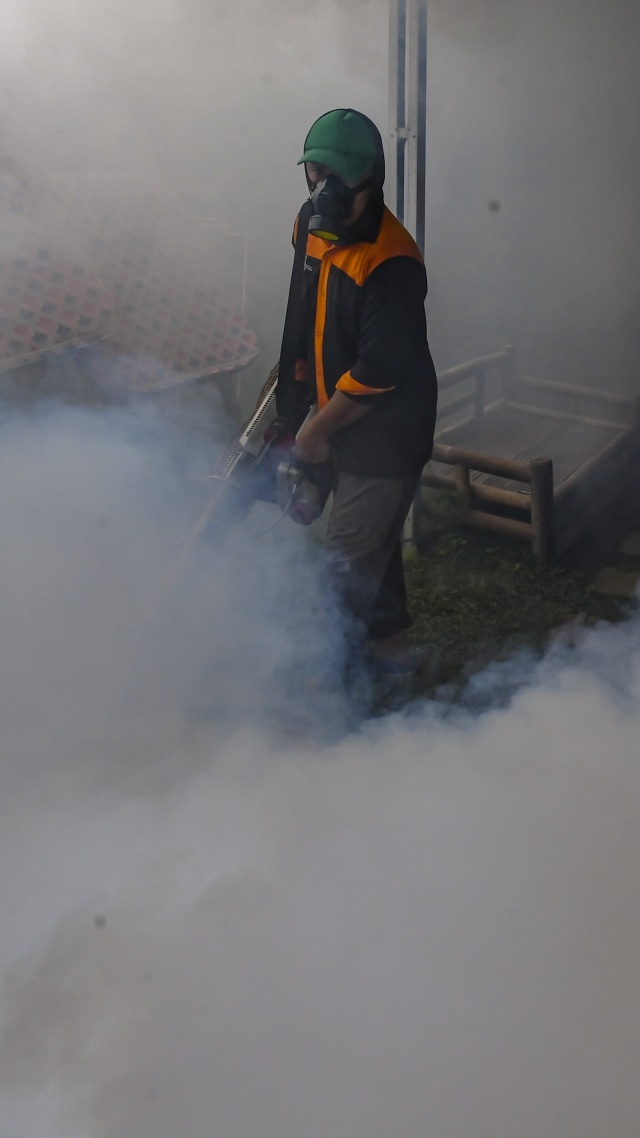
column 430, row 926
column 531, row 108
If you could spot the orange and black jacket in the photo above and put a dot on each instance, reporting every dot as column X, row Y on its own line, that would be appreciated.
column 363, row 332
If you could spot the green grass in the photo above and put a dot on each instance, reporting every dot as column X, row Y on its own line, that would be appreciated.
column 475, row 599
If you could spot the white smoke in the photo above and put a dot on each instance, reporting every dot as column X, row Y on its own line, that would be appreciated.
column 209, row 100
column 428, row 927
column 431, row 926
column 530, row 108
column 204, row 96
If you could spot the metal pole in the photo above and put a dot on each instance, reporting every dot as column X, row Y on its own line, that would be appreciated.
column 397, row 106
column 406, row 174
column 408, row 113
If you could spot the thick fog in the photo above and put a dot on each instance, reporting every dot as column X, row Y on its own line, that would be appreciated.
column 215, row 920
column 533, row 181
column 215, row 923
column 532, row 166
column 208, row 98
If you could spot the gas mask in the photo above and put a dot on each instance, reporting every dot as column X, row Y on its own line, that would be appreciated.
column 333, row 205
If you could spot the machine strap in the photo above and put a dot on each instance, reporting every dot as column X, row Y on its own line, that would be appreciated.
column 288, row 388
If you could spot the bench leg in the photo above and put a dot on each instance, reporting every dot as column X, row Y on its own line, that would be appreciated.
column 542, row 512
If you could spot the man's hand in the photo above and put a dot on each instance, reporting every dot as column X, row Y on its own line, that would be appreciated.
column 312, row 444
column 313, row 441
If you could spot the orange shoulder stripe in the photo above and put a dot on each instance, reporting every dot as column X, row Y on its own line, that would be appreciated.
column 350, row 385
column 359, row 261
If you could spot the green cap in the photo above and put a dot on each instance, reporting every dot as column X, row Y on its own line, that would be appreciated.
column 343, row 140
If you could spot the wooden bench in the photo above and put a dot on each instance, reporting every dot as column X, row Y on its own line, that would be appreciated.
column 522, row 456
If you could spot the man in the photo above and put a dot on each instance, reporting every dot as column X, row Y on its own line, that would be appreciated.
column 361, row 345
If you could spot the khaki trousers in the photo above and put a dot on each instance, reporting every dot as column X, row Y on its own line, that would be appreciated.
column 365, row 552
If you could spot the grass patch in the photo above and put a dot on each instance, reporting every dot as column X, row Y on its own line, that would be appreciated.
column 474, row 599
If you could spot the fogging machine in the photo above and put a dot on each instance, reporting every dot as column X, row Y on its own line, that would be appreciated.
column 259, row 465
